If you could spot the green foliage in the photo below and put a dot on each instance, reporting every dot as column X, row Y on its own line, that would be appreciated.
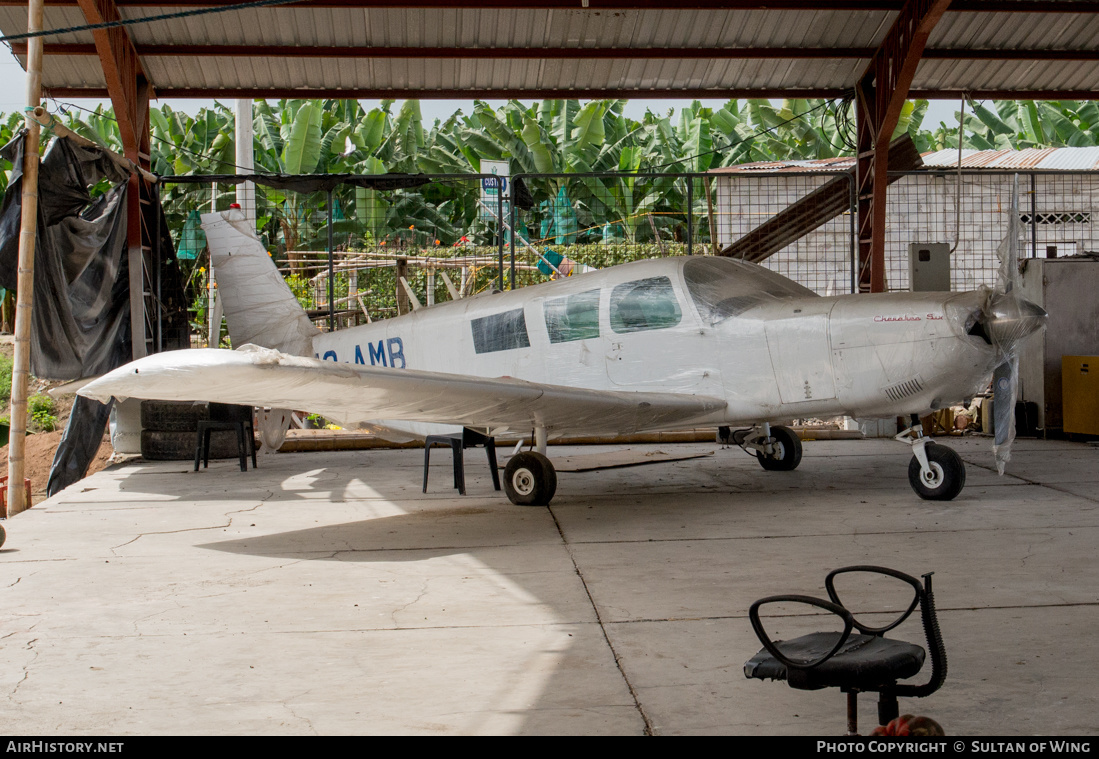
column 6, row 367
column 1017, row 125
column 41, row 409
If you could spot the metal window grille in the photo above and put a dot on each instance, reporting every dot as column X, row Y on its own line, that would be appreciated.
column 1055, row 208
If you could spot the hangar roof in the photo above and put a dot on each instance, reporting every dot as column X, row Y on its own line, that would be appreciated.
column 573, row 48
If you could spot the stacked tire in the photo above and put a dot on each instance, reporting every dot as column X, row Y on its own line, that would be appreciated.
column 169, row 431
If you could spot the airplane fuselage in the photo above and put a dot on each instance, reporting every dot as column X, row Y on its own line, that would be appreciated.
column 700, row 326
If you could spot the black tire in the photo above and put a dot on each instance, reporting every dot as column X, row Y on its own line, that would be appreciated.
column 158, row 445
column 788, row 453
column 530, row 479
column 173, row 416
column 948, row 474
column 3, row 536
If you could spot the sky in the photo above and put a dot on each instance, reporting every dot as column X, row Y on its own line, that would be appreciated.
column 13, row 98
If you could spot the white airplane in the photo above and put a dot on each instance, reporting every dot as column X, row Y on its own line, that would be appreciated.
column 652, row 345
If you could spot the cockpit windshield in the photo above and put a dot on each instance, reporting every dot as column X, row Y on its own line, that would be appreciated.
column 724, row 287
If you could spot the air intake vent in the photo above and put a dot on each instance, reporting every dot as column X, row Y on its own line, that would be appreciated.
column 903, row 390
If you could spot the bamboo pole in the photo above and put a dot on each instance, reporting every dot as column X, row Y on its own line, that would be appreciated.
column 24, row 298
column 46, row 120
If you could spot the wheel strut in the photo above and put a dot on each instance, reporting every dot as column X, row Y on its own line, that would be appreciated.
column 914, row 437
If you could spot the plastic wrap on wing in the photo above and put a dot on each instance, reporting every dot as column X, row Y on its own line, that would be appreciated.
column 259, row 307
column 273, row 424
column 351, row 395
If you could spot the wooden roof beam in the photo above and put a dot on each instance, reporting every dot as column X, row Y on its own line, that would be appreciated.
column 125, row 77
column 881, row 94
column 275, row 93
column 958, row 6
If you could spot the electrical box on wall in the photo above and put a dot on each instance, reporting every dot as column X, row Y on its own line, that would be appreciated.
column 929, row 267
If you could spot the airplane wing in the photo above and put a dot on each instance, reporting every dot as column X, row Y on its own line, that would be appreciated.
column 351, row 394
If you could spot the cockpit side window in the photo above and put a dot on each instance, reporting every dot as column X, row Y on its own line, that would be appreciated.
column 574, row 317
column 722, row 287
column 644, row 304
column 500, row 332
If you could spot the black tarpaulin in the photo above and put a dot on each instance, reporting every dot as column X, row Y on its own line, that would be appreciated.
column 79, row 443
column 81, row 323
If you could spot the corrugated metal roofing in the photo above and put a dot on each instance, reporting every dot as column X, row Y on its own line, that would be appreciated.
column 633, row 30
column 777, row 167
column 1049, row 159
column 1045, row 159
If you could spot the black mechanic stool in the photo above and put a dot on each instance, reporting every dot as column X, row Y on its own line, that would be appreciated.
column 863, row 662
column 458, row 442
column 225, row 416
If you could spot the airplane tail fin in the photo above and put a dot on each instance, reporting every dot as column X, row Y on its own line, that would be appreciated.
column 259, row 307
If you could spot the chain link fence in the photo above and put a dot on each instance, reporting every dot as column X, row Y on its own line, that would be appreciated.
column 800, row 224
column 343, row 248
column 969, row 212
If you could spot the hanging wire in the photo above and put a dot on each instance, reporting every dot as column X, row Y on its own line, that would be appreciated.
column 741, row 141
column 149, row 19
column 958, row 185
column 846, row 129
column 63, row 106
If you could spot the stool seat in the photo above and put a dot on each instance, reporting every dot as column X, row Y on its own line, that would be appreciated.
column 863, row 662
column 458, row 442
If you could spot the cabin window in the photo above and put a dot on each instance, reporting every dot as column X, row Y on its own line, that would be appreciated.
column 574, row 317
column 500, row 332
column 643, row 305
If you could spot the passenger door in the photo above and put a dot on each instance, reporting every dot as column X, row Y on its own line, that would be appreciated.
column 653, row 339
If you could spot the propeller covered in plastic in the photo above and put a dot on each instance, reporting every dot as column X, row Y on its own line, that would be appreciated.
column 1006, row 319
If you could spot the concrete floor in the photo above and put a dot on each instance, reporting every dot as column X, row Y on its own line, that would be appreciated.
column 323, row 593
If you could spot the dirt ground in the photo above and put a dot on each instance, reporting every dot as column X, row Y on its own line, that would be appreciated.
column 41, row 446
column 39, row 458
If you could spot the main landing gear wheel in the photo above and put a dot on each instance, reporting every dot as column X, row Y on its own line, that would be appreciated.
column 530, row 479
column 787, row 453
column 946, row 478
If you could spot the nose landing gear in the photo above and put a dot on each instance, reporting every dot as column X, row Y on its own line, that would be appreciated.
column 935, row 472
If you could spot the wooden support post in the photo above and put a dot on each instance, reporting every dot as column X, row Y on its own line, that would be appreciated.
column 402, row 296
column 17, row 493
column 880, row 96
column 353, row 290
column 130, row 91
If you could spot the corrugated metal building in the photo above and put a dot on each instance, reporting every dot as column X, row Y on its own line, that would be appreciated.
column 1058, row 192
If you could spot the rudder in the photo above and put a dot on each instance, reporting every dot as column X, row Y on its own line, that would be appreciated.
column 259, row 306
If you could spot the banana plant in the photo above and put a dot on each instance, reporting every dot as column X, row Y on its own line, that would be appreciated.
column 1010, row 125
column 9, row 128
